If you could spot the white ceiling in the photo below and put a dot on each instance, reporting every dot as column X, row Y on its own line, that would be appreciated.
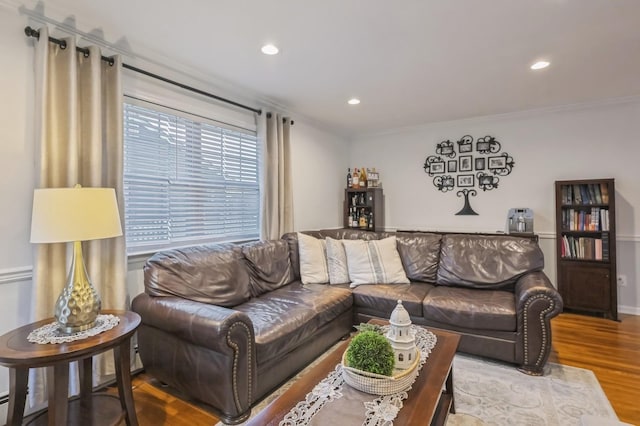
column 409, row 61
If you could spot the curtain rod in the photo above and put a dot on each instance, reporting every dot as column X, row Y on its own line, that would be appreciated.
column 30, row 32
column 284, row 119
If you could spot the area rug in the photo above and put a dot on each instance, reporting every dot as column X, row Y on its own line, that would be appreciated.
column 492, row 393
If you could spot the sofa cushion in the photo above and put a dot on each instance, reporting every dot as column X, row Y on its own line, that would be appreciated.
column 337, row 262
column 419, row 253
column 373, row 262
column 292, row 241
column 291, row 314
column 269, row 265
column 313, row 260
column 471, row 308
column 486, row 261
column 215, row 273
column 383, row 298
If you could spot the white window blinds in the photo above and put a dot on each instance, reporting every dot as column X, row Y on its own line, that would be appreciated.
column 187, row 180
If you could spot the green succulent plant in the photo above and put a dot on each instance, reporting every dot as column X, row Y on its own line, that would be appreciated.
column 371, row 351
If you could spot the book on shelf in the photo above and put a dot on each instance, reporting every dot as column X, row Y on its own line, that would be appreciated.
column 585, row 248
column 584, row 192
column 598, row 248
column 592, row 194
column 605, row 246
column 596, row 188
column 604, row 190
column 577, row 196
column 604, row 219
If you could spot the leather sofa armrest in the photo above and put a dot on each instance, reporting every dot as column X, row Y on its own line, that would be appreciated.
column 204, row 350
column 210, row 326
column 537, row 301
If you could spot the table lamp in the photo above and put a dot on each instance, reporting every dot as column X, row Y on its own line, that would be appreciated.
column 75, row 215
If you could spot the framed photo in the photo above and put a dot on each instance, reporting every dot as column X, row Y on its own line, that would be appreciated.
column 465, row 144
column 452, row 166
column 479, row 164
column 465, row 163
column 497, row 162
column 436, row 167
column 466, row 181
column 465, row 148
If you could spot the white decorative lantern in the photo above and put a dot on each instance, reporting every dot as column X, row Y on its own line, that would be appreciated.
column 402, row 340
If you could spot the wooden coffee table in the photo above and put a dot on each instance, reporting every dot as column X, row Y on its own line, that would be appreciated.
column 430, row 398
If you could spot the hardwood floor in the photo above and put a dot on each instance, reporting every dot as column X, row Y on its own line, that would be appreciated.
column 610, row 349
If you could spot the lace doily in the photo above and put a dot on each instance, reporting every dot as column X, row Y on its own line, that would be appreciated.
column 50, row 334
column 376, row 411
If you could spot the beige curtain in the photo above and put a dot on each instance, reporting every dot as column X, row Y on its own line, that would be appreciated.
column 277, row 194
column 78, row 123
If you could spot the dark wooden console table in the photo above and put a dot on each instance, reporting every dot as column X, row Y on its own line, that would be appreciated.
column 19, row 355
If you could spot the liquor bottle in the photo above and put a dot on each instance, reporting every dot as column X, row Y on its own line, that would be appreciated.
column 350, row 217
column 349, row 178
column 363, row 219
column 355, row 218
column 363, row 178
column 371, row 221
column 356, row 178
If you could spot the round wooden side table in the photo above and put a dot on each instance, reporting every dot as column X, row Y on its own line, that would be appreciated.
column 19, row 355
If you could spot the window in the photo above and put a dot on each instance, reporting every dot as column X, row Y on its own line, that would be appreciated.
column 187, row 179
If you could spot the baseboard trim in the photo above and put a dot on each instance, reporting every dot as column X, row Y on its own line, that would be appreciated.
column 631, row 310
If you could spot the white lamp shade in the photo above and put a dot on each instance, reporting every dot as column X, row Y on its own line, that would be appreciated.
column 74, row 214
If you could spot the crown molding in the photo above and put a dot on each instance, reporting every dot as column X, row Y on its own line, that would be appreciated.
column 527, row 113
column 144, row 57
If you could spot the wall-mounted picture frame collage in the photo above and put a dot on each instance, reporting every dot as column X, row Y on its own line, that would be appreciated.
column 468, row 163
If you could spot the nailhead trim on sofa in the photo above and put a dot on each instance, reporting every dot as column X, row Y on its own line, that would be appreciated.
column 236, row 352
column 544, row 329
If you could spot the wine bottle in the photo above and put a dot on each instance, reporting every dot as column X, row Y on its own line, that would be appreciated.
column 363, row 178
column 355, row 218
column 349, row 178
column 356, row 178
column 350, row 218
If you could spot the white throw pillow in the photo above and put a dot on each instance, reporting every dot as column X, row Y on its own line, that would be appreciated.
column 337, row 262
column 374, row 262
column 313, row 260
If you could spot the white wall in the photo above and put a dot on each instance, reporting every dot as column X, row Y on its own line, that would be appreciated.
column 590, row 141
column 16, row 185
column 319, row 171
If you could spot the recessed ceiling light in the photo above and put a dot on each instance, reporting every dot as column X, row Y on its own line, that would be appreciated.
column 269, row 49
column 539, row 65
column 353, row 101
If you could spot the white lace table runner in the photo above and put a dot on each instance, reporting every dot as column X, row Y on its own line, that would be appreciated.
column 50, row 334
column 332, row 401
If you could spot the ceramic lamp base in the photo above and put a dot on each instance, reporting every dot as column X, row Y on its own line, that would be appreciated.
column 78, row 305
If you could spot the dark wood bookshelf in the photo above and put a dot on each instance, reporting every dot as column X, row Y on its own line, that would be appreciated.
column 586, row 246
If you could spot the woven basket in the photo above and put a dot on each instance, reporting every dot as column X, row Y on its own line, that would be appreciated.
column 378, row 384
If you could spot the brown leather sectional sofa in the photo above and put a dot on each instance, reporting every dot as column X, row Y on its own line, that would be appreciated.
column 225, row 324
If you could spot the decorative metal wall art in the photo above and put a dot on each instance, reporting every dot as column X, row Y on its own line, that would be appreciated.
column 463, row 168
